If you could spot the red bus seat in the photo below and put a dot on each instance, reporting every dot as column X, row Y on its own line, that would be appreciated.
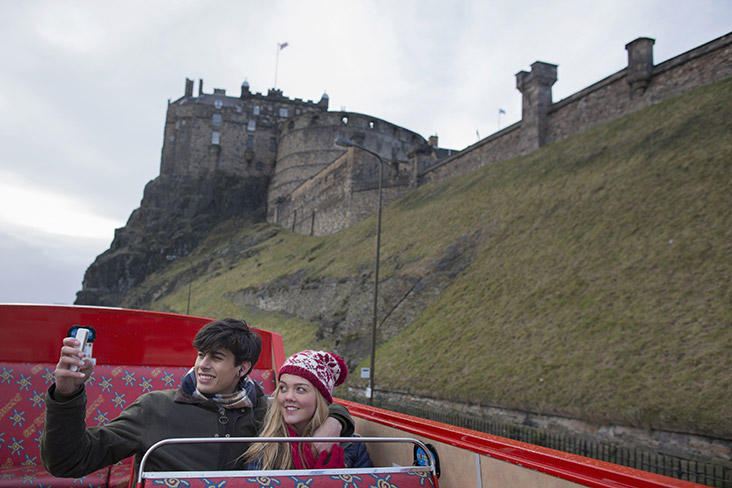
column 111, row 388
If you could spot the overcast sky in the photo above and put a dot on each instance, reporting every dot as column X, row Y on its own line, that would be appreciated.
column 84, row 87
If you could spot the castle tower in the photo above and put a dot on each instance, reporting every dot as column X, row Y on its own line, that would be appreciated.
column 238, row 135
column 536, row 88
column 305, row 147
column 640, row 63
column 189, row 88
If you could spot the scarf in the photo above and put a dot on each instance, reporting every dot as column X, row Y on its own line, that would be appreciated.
column 333, row 459
column 244, row 397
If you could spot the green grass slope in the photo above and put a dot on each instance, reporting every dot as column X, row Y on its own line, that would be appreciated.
column 600, row 286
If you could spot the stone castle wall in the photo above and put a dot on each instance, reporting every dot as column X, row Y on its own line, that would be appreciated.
column 309, row 189
column 498, row 147
column 639, row 85
column 321, row 205
column 615, row 96
column 342, row 194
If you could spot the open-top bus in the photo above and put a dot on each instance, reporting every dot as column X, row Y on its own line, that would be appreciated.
column 137, row 351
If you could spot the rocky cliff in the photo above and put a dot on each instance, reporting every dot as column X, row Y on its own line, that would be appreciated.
column 176, row 212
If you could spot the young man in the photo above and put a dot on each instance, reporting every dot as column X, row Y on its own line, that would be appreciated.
column 215, row 399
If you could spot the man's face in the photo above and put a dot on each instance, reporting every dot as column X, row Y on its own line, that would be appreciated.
column 217, row 373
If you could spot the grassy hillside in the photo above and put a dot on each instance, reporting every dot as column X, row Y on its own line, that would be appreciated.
column 600, row 285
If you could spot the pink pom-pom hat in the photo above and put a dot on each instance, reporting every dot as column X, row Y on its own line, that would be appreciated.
column 324, row 370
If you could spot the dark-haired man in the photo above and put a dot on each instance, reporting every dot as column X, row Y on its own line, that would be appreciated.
column 215, row 399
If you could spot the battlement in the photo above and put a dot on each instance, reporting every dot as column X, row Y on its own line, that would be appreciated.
column 273, row 95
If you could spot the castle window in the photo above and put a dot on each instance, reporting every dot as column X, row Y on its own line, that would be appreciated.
column 315, row 119
column 283, row 112
column 215, row 137
column 252, row 125
column 256, row 110
column 272, row 144
column 344, row 120
column 216, row 119
column 371, row 124
column 218, row 104
column 250, row 141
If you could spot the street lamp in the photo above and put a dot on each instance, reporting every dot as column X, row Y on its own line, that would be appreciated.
column 343, row 142
column 173, row 257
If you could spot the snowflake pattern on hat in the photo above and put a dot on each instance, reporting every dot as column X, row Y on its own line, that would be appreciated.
column 324, row 370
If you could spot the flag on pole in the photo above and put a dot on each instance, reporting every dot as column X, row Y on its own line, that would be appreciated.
column 280, row 47
column 501, row 111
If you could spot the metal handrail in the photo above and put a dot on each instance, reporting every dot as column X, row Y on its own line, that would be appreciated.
column 206, row 440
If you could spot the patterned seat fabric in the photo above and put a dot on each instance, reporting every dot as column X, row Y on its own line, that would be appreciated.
column 111, row 388
column 356, row 480
column 35, row 475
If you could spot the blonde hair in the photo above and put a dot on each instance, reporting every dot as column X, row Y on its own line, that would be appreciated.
column 275, row 455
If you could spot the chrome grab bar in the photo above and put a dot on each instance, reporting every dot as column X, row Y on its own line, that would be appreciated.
column 336, row 440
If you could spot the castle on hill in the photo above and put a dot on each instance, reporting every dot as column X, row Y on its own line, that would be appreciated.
column 317, row 188
column 291, row 143
column 272, row 157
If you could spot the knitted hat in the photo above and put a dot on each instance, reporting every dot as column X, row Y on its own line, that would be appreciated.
column 324, row 370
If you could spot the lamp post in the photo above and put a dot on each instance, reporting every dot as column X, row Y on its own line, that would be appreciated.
column 190, row 284
column 172, row 257
column 343, row 142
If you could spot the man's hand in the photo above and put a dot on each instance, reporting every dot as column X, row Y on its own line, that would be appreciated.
column 330, row 428
column 67, row 381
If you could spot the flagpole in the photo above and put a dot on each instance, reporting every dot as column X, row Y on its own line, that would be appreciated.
column 277, row 63
column 280, row 47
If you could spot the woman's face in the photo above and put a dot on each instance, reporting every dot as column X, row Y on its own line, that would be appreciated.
column 296, row 398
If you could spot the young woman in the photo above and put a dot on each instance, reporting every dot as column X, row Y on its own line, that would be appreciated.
column 300, row 405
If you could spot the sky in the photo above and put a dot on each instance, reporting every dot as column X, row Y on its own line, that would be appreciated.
column 84, row 87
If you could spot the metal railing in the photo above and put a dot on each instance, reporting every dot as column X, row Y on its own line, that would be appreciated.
column 706, row 473
column 430, row 468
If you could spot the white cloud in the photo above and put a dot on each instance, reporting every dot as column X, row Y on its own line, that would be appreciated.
column 85, row 27
column 49, row 212
column 43, row 269
column 62, row 135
